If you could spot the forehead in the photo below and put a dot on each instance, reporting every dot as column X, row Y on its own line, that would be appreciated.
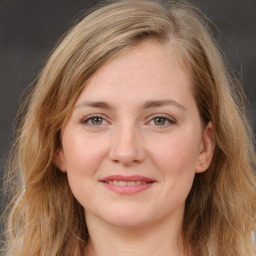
column 148, row 69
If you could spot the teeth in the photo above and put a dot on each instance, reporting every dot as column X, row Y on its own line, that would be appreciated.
column 122, row 183
column 131, row 183
column 126, row 183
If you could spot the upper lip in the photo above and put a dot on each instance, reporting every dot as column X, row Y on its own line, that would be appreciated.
column 127, row 178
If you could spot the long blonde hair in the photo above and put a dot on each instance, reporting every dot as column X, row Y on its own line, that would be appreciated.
column 44, row 218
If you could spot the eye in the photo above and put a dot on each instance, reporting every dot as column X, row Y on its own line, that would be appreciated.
column 94, row 120
column 162, row 121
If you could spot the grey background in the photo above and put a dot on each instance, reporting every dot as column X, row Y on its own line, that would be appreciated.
column 30, row 28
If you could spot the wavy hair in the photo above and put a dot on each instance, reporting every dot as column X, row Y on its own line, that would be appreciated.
column 44, row 218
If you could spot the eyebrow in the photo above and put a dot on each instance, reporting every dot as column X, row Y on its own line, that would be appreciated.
column 94, row 104
column 147, row 105
column 160, row 103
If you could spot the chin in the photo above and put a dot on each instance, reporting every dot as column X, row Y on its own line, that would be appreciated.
column 127, row 218
column 128, row 223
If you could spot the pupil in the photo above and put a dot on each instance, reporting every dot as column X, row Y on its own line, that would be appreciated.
column 159, row 121
column 97, row 120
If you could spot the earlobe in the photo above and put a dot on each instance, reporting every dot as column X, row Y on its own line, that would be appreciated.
column 59, row 160
column 206, row 149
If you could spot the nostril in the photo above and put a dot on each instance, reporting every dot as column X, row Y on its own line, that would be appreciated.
column 126, row 149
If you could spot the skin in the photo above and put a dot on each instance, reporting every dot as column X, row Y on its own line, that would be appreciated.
column 164, row 141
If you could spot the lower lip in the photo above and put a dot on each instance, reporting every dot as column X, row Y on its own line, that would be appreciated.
column 127, row 190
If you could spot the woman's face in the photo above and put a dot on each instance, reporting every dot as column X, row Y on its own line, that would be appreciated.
column 134, row 140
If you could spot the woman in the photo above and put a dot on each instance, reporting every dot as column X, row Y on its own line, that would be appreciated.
column 134, row 142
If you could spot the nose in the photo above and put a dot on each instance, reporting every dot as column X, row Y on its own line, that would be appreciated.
column 127, row 146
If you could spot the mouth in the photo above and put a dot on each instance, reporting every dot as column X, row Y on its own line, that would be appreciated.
column 127, row 184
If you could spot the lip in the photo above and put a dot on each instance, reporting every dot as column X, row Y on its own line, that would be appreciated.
column 127, row 178
column 128, row 189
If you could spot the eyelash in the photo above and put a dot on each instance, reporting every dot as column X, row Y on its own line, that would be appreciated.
column 166, row 118
column 89, row 118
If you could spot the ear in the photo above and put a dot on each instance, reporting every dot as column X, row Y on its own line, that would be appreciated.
column 206, row 149
column 59, row 160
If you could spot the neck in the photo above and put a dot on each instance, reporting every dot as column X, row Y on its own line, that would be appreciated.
column 161, row 238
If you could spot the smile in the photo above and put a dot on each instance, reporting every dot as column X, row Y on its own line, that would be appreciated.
column 127, row 185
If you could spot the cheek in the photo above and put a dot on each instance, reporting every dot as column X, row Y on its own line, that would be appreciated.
column 176, row 154
column 175, row 157
column 83, row 154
